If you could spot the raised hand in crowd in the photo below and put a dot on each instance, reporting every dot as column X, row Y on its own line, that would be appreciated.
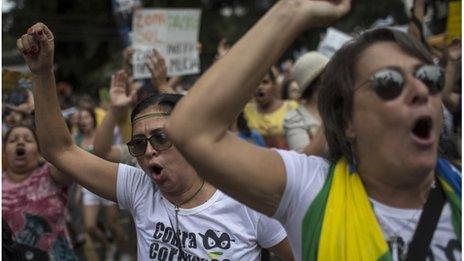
column 127, row 59
column 121, row 94
column 122, row 97
column 37, row 47
column 222, row 48
column 157, row 66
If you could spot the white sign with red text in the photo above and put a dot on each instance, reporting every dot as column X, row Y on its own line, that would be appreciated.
column 174, row 34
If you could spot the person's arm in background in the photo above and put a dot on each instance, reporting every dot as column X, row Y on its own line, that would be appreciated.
column 121, row 97
column 56, row 144
column 199, row 123
column 157, row 67
column 453, row 58
column 295, row 132
column 417, row 18
column 318, row 145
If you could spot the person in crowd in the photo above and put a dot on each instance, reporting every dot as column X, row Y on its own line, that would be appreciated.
column 301, row 124
column 292, row 92
column 104, row 146
column 66, row 97
column 283, row 78
column 451, row 140
column 92, row 203
column 34, row 197
column 177, row 214
column 85, row 101
column 266, row 112
column 240, row 126
column 380, row 105
column 11, row 118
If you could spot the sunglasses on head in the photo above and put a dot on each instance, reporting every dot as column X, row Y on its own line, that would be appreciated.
column 158, row 140
column 388, row 83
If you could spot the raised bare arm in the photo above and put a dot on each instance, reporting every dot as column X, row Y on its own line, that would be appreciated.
column 453, row 59
column 200, row 121
column 56, row 144
column 121, row 97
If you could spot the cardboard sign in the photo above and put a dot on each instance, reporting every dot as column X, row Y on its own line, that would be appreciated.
column 333, row 40
column 174, row 34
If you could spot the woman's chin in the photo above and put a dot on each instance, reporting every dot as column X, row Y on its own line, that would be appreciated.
column 22, row 166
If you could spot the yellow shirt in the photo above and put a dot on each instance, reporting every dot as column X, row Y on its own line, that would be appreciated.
column 268, row 123
column 99, row 115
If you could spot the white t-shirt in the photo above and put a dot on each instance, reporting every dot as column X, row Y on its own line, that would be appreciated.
column 305, row 178
column 221, row 228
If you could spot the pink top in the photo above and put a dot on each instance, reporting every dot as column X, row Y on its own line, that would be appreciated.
column 35, row 210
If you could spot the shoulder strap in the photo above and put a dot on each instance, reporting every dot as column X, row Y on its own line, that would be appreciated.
column 427, row 224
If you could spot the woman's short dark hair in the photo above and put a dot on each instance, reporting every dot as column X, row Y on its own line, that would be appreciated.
column 163, row 101
column 337, row 85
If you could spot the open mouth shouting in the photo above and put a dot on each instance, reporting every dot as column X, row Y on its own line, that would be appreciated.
column 20, row 151
column 156, row 169
column 156, row 172
column 422, row 131
column 259, row 94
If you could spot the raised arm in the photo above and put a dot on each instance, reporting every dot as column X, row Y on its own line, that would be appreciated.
column 199, row 123
column 157, row 67
column 56, row 144
column 453, row 58
column 121, row 97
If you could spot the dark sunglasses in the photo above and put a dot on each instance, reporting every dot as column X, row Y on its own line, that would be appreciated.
column 158, row 140
column 388, row 83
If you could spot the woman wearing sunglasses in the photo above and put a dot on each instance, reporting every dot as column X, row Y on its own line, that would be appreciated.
column 177, row 214
column 384, row 193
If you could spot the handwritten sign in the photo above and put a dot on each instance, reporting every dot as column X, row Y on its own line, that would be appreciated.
column 333, row 40
column 174, row 34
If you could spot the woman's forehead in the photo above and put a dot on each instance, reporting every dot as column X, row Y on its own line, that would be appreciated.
column 21, row 131
column 380, row 55
column 147, row 122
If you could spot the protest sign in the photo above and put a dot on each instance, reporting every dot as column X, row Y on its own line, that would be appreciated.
column 333, row 40
column 174, row 34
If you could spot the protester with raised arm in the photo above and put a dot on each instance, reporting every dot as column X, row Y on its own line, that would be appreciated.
column 121, row 99
column 380, row 105
column 177, row 214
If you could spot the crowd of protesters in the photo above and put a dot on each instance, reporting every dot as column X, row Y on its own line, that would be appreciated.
column 355, row 156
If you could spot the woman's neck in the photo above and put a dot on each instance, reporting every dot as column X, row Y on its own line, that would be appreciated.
column 271, row 106
column 394, row 192
column 89, row 134
column 195, row 195
column 18, row 176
